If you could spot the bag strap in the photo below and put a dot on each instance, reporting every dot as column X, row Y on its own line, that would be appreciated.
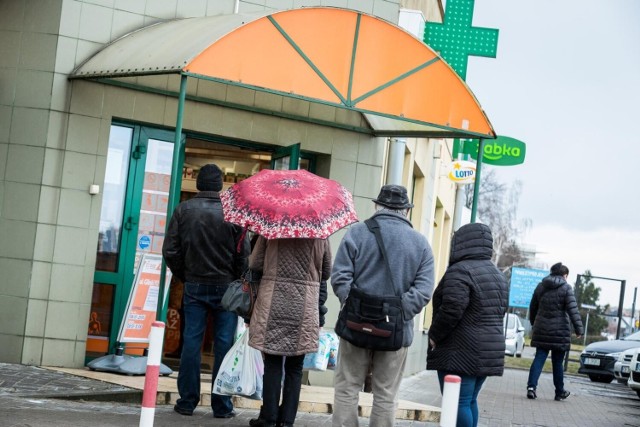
column 374, row 227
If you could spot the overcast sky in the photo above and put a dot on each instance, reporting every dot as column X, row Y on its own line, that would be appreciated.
column 566, row 81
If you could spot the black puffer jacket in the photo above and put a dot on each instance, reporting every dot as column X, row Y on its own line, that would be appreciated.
column 552, row 310
column 200, row 246
column 469, row 305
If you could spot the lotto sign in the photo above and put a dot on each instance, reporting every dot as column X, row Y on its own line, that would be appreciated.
column 143, row 300
column 462, row 172
column 523, row 283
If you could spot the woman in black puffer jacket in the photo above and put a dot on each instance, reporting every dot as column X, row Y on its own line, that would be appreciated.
column 466, row 335
column 552, row 310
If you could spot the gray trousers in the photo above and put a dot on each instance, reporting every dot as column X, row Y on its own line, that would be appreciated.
column 351, row 370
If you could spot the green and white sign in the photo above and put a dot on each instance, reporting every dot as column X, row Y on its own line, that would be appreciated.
column 502, row 151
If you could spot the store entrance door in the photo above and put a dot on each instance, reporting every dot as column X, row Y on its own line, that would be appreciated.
column 132, row 223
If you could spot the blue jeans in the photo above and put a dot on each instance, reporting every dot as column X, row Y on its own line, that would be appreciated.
column 198, row 300
column 557, row 359
column 468, row 402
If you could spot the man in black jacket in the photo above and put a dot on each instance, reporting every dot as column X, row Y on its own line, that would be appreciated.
column 552, row 310
column 207, row 254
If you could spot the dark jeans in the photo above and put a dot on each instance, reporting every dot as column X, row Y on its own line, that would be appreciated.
column 271, row 410
column 557, row 361
column 198, row 300
column 468, row 402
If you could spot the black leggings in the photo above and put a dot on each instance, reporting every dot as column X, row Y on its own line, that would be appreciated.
column 271, row 410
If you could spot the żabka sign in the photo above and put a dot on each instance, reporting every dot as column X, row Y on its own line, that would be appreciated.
column 462, row 172
column 502, row 151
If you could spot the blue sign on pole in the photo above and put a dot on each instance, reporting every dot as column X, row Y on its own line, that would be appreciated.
column 523, row 283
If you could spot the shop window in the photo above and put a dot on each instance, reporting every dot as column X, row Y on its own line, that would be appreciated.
column 113, row 198
column 99, row 320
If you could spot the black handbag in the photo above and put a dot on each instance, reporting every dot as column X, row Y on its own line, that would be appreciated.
column 241, row 294
column 374, row 322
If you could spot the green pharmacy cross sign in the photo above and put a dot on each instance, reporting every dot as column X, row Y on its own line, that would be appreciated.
column 456, row 39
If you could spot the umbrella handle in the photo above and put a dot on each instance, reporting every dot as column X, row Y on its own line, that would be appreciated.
column 244, row 233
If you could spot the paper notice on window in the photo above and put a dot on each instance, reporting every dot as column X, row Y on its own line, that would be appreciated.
column 143, row 300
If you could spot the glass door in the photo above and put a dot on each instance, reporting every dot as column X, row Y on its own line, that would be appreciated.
column 286, row 158
column 132, row 223
column 291, row 158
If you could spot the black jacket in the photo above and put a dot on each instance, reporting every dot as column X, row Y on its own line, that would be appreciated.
column 553, row 307
column 469, row 305
column 200, row 246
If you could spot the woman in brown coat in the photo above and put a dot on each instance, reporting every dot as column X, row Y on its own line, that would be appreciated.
column 287, row 317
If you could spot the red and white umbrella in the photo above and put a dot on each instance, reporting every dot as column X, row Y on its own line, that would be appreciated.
column 282, row 204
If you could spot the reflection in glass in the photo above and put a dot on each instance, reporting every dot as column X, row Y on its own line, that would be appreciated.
column 155, row 199
column 115, row 186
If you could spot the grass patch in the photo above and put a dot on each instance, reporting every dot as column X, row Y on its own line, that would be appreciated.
column 523, row 363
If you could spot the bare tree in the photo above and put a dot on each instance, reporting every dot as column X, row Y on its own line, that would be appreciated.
column 498, row 208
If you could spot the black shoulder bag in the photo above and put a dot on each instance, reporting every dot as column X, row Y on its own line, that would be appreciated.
column 374, row 322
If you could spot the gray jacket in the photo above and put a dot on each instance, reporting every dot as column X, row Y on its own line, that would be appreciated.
column 359, row 260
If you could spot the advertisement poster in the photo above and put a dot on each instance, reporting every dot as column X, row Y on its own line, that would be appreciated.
column 523, row 283
column 143, row 301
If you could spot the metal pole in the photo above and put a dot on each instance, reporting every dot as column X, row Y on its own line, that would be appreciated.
column 174, row 191
column 457, row 213
column 623, row 284
column 460, row 189
column 396, row 160
column 476, row 184
column 586, row 328
column 578, row 288
column 633, row 310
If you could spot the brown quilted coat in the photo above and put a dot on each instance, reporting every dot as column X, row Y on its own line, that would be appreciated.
column 285, row 319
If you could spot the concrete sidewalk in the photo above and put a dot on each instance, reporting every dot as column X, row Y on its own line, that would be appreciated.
column 24, row 391
column 313, row 399
column 95, row 389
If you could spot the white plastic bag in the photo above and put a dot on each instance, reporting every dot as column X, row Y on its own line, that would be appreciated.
column 259, row 366
column 237, row 375
column 334, row 346
column 319, row 360
column 240, row 329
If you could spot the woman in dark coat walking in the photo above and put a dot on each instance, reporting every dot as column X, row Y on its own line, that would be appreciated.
column 466, row 335
column 552, row 311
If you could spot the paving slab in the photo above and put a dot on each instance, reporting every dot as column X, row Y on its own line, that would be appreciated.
column 313, row 399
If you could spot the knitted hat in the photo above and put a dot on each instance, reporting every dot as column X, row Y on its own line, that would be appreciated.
column 209, row 178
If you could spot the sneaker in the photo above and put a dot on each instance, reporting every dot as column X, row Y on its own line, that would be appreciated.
column 531, row 393
column 563, row 395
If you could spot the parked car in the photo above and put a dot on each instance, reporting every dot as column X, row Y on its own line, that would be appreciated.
column 513, row 335
column 621, row 367
column 598, row 359
column 634, row 366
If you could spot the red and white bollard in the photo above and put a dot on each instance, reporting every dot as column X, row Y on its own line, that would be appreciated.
column 152, row 374
column 450, row 397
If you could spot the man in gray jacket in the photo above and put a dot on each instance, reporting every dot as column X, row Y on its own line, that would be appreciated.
column 359, row 260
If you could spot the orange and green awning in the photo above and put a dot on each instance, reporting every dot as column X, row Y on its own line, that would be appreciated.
column 337, row 57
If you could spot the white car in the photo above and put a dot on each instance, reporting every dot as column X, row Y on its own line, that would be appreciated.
column 513, row 335
column 634, row 367
column 621, row 367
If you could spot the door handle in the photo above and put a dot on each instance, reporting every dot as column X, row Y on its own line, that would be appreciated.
column 131, row 222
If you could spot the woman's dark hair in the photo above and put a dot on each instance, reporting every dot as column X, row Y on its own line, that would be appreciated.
column 559, row 270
